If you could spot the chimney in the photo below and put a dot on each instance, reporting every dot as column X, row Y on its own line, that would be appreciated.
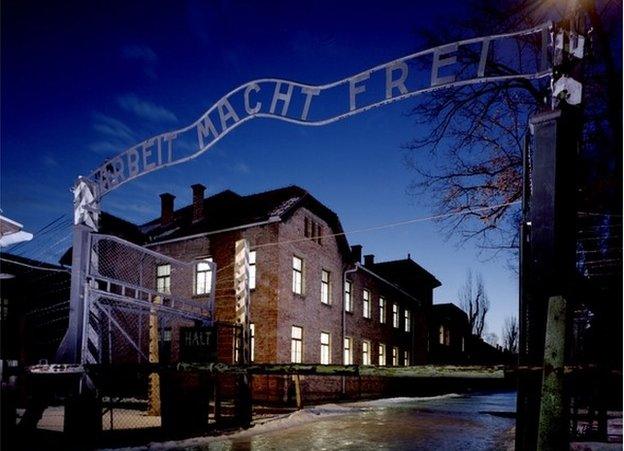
column 166, row 209
column 198, row 201
column 369, row 260
column 356, row 253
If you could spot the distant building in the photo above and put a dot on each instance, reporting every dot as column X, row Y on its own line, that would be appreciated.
column 453, row 343
column 450, row 333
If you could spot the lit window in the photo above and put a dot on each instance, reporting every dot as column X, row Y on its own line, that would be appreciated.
column 382, row 310
column 408, row 320
column 395, row 356
column 348, row 351
column 366, row 357
column 406, row 361
column 203, row 277
column 445, row 338
column 382, row 354
column 395, row 315
column 441, row 334
column 463, row 344
column 163, row 279
column 252, row 341
column 325, row 299
column 296, row 344
column 366, row 304
column 348, row 300
column 297, row 275
column 325, row 352
column 165, row 334
column 252, row 270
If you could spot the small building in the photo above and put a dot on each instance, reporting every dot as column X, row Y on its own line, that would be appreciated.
column 450, row 334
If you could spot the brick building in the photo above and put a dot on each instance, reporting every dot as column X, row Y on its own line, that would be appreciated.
column 313, row 300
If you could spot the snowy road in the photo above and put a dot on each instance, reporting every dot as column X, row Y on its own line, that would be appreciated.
column 444, row 423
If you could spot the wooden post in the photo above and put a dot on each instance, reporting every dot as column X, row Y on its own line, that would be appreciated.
column 154, row 379
column 553, row 419
column 298, row 396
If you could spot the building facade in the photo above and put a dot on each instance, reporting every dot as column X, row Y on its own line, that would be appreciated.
column 313, row 299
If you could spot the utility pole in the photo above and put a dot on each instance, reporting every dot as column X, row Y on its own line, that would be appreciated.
column 548, row 249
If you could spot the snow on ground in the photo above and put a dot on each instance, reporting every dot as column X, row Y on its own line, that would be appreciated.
column 400, row 400
column 285, row 421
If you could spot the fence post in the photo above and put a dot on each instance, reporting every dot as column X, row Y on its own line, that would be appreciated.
column 553, row 418
column 154, row 378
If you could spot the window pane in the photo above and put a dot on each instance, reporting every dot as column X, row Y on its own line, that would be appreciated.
column 348, row 357
column 252, row 344
column 325, row 287
column 348, row 304
column 163, row 270
column 252, row 270
column 325, row 354
column 297, row 332
column 382, row 310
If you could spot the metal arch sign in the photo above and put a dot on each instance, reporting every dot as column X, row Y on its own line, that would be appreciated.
column 323, row 104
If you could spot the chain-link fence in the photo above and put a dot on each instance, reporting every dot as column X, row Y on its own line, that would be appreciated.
column 145, row 307
column 140, row 301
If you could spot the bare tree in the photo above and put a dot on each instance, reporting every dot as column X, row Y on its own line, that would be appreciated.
column 476, row 132
column 474, row 301
column 491, row 339
column 510, row 334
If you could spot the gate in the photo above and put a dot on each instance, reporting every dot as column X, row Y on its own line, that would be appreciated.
column 138, row 301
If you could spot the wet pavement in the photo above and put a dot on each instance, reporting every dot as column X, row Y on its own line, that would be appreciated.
column 445, row 423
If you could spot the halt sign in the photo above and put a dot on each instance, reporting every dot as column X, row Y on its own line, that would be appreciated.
column 198, row 344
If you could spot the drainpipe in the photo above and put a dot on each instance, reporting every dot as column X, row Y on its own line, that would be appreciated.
column 344, row 319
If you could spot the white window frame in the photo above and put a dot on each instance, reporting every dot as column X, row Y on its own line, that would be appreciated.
column 206, row 274
column 366, row 303
column 163, row 280
column 296, row 344
column 395, row 356
column 381, row 356
column 382, row 310
column 366, row 352
column 348, row 351
column 325, row 348
column 407, row 315
column 325, row 287
column 395, row 315
column 297, row 275
column 252, row 342
column 348, row 296
column 252, row 269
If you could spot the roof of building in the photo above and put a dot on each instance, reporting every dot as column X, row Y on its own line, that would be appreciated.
column 227, row 210
column 448, row 309
column 405, row 272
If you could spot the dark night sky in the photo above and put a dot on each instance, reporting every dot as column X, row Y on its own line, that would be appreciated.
column 82, row 81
